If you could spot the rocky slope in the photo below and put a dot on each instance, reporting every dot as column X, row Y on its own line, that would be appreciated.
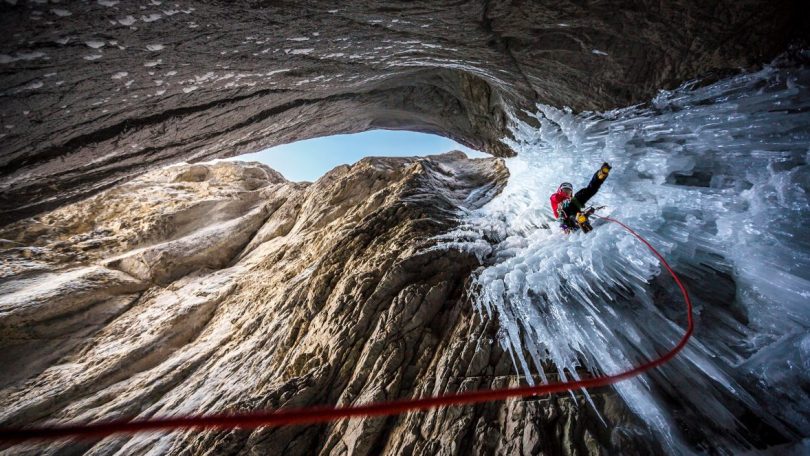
column 96, row 92
column 222, row 287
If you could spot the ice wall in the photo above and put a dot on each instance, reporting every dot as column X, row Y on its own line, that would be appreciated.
column 717, row 178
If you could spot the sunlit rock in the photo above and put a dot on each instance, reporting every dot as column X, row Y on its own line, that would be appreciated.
column 338, row 296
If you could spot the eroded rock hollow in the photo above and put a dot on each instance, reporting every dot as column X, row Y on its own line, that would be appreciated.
column 94, row 93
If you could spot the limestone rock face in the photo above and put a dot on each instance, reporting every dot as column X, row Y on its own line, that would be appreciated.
column 94, row 93
column 222, row 287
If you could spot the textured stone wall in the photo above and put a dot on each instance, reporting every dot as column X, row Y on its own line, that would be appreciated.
column 215, row 288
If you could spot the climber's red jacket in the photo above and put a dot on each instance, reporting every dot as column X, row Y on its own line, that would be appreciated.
column 556, row 199
column 579, row 199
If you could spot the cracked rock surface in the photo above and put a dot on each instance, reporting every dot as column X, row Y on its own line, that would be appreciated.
column 223, row 287
column 93, row 93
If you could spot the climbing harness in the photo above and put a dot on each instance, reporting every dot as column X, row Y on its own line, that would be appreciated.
column 322, row 414
column 583, row 218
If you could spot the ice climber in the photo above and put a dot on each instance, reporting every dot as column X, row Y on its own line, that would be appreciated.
column 569, row 207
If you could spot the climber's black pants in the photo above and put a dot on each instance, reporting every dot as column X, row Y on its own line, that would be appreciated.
column 587, row 193
column 577, row 203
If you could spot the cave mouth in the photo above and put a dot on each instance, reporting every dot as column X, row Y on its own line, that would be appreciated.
column 39, row 175
column 309, row 159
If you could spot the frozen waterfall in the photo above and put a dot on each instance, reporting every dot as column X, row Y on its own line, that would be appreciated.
column 717, row 178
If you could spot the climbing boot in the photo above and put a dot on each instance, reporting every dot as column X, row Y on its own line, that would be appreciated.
column 603, row 172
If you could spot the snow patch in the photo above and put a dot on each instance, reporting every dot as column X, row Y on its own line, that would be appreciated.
column 154, row 47
column 26, row 56
column 32, row 86
column 128, row 20
column 203, row 78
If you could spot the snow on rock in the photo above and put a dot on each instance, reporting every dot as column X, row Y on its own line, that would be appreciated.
column 26, row 56
column 299, row 51
column 151, row 18
column 31, row 86
column 127, row 20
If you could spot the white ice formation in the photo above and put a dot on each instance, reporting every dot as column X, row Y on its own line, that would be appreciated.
column 717, row 178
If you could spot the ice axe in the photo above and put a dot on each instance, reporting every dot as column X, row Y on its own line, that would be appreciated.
column 583, row 218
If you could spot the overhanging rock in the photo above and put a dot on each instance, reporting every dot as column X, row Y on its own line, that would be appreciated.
column 96, row 93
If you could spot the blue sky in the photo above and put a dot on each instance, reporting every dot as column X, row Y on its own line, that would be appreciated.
column 310, row 159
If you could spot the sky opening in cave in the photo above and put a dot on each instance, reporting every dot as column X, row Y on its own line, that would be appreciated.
column 310, row 159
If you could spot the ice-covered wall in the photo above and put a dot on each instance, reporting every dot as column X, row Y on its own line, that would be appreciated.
column 717, row 178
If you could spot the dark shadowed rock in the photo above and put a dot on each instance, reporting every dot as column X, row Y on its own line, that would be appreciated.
column 94, row 93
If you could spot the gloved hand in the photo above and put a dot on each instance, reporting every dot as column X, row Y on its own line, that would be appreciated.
column 564, row 225
column 603, row 172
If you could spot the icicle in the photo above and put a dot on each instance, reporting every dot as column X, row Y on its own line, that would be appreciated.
column 718, row 178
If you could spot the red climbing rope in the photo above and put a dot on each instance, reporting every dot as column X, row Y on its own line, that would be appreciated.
column 321, row 414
